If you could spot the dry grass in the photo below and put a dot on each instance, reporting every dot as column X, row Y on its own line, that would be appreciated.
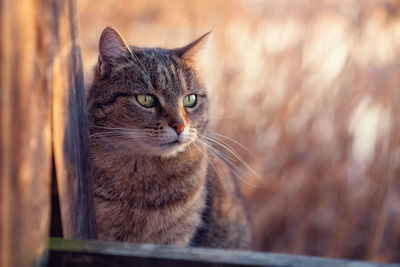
column 312, row 88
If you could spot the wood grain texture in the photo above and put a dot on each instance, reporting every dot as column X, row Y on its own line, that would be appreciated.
column 99, row 254
column 70, row 130
column 26, row 52
column 42, row 107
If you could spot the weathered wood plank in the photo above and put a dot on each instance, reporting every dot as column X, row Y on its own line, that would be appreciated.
column 41, row 89
column 70, row 130
column 96, row 253
column 26, row 52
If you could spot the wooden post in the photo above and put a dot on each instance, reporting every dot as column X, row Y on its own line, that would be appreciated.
column 70, row 130
column 26, row 52
column 42, row 109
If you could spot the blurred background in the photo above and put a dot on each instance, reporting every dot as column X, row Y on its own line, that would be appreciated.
column 312, row 90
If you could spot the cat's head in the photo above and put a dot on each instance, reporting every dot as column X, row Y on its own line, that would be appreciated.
column 149, row 100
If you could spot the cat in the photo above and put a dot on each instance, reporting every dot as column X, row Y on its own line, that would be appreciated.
column 154, row 180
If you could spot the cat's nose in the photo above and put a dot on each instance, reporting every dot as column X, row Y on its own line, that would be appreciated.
column 178, row 127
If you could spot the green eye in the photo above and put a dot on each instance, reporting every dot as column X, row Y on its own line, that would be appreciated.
column 146, row 101
column 189, row 101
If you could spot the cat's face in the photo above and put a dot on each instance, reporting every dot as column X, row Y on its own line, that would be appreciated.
column 147, row 100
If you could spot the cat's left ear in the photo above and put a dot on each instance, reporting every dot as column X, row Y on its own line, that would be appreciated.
column 112, row 50
column 191, row 53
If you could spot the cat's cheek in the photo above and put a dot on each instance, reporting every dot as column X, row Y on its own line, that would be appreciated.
column 197, row 114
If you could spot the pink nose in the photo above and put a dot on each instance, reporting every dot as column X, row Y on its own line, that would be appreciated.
column 178, row 127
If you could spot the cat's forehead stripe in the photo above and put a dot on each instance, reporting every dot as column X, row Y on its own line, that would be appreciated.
column 163, row 76
column 172, row 68
column 170, row 76
column 182, row 80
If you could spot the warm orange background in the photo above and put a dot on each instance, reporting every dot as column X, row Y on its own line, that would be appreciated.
column 312, row 89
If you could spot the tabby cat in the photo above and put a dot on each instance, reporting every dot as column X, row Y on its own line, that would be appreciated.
column 154, row 180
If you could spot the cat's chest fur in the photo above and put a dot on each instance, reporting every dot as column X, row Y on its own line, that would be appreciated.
column 148, row 200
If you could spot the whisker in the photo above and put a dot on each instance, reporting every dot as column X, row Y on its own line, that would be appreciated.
column 105, row 134
column 220, row 152
column 224, row 145
column 233, row 140
column 233, row 151
column 133, row 132
column 233, row 168
column 118, row 133
column 207, row 158
column 112, row 128
column 190, row 151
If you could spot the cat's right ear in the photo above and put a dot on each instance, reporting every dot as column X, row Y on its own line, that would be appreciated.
column 112, row 50
column 191, row 53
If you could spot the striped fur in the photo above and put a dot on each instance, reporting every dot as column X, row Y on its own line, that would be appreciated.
column 152, row 185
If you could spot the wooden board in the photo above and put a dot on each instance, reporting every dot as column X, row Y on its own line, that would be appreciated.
column 42, row 107
column 70, row 129
column 26, row 54
column 95, row 253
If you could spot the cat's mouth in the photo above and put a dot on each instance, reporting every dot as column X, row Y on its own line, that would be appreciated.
column 172, row 148
column 173, row 143
column 176, row 142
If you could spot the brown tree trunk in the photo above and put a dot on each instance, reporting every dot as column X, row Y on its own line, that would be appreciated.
column 42, row 108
